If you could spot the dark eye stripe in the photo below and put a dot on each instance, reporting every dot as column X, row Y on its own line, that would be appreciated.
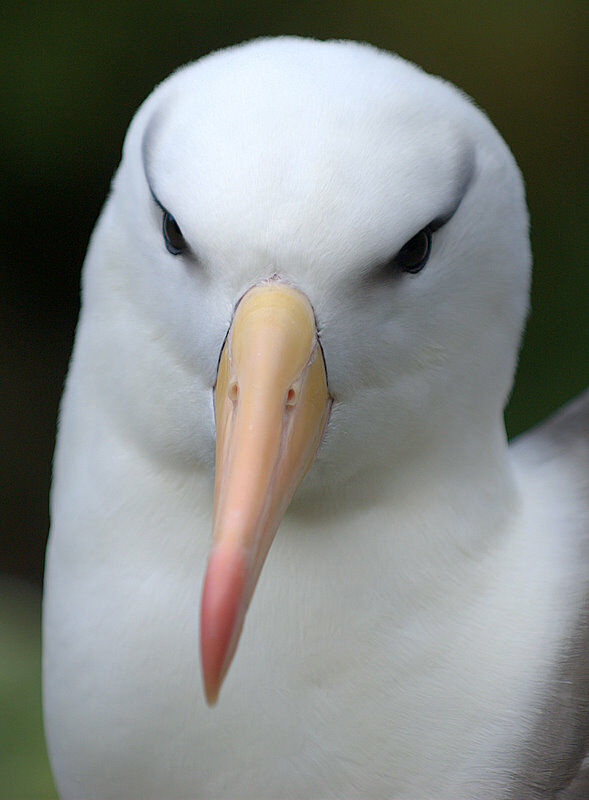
column 413, row 256
column 175, row 241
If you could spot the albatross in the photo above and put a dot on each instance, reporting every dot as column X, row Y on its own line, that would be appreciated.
column 292, row 553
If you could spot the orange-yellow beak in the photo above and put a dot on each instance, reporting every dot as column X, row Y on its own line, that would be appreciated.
column 271, row 406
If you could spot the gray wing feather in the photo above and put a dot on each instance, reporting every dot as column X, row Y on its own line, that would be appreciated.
column 563, row 435
column 552, row 759
column 578, row 789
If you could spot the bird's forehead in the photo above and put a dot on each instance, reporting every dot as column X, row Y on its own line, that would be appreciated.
column 274, row 148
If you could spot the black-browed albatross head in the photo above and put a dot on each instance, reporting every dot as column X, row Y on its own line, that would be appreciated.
column 332, row 245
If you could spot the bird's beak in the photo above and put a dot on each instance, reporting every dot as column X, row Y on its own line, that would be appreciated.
column 271, row 406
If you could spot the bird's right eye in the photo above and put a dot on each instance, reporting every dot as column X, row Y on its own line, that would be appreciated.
column 175, row 241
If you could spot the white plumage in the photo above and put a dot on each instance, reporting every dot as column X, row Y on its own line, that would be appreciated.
column 420, row 626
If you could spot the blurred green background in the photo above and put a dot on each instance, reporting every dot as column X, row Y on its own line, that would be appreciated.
column 72, row 76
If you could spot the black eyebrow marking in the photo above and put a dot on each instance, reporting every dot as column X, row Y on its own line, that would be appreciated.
column 465, row 176
column 146, row 146
column 146, row 150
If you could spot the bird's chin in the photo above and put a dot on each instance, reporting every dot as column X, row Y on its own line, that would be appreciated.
column 326, row 479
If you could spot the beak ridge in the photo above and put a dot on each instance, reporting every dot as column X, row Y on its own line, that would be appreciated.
column 271, row 406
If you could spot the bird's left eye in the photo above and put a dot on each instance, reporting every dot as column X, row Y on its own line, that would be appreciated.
column 413, row 256
column 175, row 241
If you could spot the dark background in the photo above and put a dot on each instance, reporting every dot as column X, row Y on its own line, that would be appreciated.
column 72, row 76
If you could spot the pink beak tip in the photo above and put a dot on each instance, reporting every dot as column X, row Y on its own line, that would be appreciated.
column 221, row 616
column 211, row 690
